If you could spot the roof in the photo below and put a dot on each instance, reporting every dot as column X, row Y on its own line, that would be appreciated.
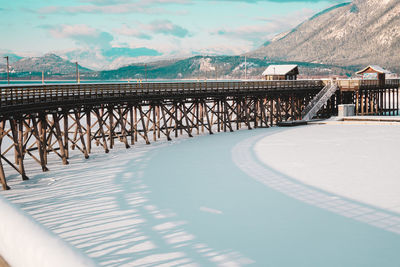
column 376, row 68
column 279, row 69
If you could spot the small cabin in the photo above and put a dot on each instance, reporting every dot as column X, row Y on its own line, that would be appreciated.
column 281, row 72
column 374, row 73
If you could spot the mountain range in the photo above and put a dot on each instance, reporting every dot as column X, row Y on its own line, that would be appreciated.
column 215, row 67
column 338, row 40
column 362, row 32
column 49, row 63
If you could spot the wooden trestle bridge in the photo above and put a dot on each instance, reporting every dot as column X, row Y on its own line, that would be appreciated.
column 36, row 120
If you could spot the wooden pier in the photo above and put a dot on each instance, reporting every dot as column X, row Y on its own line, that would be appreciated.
column 38, row 120
column 372, row 97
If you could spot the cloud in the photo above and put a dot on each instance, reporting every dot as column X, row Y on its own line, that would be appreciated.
column 83, row 35
column 112, row 58
column 282, row 1
column 140, row 2
column 114, row 7
column 168, row 28
column 116, row 52
column 165, row 27
column 132, row 32
column 258, row 34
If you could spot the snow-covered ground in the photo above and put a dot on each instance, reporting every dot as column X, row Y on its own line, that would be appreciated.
column 360, row 162
column 216, row 201
column 24, row 243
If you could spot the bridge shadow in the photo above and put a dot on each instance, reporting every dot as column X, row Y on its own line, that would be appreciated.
column 103, row 207
column 141, row 207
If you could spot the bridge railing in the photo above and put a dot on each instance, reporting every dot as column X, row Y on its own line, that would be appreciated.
column 356, row 84
column 27, row 94
column 377, row 83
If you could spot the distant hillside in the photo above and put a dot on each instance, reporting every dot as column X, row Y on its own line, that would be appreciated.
column 362, row 32
column 211, row 67
column 49, row 63
column 11, row 57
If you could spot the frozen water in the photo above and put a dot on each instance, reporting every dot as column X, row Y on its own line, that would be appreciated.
column 188, row 203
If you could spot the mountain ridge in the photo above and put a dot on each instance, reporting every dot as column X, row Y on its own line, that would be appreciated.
column 50, row 63
column 362, row 32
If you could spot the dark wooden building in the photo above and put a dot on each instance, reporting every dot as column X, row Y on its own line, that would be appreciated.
column 374, row 73
column 281, row 72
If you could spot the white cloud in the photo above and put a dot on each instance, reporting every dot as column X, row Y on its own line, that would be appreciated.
column 260, row 33
column 113, row 7
column 73, row 31
column 83, row 35
column 132, row 32
column 165, row 27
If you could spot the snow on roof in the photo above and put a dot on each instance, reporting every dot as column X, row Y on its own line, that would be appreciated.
column 376, row 68
column 279, row 69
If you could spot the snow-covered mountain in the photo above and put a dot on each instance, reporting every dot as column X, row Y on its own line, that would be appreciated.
column 362, row 32
column 49, row 63
column 211, row 67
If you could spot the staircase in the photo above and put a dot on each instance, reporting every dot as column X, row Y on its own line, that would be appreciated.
column 319, row 101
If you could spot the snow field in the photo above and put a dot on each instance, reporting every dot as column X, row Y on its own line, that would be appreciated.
column 25, row 243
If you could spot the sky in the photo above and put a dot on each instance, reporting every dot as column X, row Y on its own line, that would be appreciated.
column 103, row 34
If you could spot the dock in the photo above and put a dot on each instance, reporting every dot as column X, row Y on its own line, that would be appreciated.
column 38, row 120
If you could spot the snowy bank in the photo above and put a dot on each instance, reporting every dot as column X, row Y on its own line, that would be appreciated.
column 24, row 243
column 359, row 162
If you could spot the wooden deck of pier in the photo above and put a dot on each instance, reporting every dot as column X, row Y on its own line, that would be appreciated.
column 3, row 263
column 41, row 119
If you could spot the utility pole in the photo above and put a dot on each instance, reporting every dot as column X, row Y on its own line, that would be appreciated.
column 77, row 72
column 245, row 67
column 8, row 70
column 145, row 72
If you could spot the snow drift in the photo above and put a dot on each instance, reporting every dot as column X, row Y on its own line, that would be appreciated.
column 24, row 243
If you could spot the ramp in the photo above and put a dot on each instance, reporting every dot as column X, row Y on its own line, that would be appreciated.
column 319, row 101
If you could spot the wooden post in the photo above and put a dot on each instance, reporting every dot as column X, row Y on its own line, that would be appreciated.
column 145, row 130
column 176, row 119
column 43, row 123
column 271, row 111
column 59, row 139
column 238, row 123
column 180, row 117
column 189, row 130
column 397, row 101
column 154, row 128
column 278, row 107
column 18, row 146
column 218, row 114
column 135, row 123
column 88, row 131
column 167, row 131
column 123, row 128
column 79, row 129
column 158, row 121
column 247, row 113
column 2, row 174
column 209, row 122
column 197, row 117
column 40, row 145
column 111, row 126
column 101, row 129
column 66, row 137
column 132, row 130
column 201, row 116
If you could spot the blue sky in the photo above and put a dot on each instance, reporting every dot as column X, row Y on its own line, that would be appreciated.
column 107, row 33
